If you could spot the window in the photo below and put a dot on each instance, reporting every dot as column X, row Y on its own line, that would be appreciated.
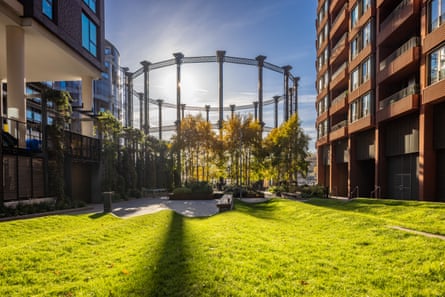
column 323, row 35
column 48, row 8
column 366, row 102
column 436, row 14
column 360, row 108
column 322, row 105
column 358, row 10
column 366, row 70
column 323, row 59
column 361, row 40
column 355, row 47
column 436, row 63
column 354, row 16
column 323, row 11
column 322, row 129
column 91, row 4
column 366, row 34
column 355, row 79
column 89, row 35
column 361, row 74
column 365, row 5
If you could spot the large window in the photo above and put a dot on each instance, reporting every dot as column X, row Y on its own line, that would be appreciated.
column 323, row 58
column 322, row 105
column 361, row 40
column 360, row 108
column 323, row 11
column 89, row 35
column 358, row 10
column 436, row 14
column 323, row 82
column 323, row 35
column 322, row 129
column 48, row 8
column 436, row 61
column 366, row 70
column 91, row 4
column 355, row 79
column 361, row 74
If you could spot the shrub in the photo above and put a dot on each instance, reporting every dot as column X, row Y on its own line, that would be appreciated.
column 135, row 193
column 200, row 187
column 312, row 191
column 182, row 190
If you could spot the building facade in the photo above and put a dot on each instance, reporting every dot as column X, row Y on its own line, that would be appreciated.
column 381, row 98
column 41, row 41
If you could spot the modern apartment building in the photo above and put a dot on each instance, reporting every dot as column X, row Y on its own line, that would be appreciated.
column 40, row 41
column 381, row 98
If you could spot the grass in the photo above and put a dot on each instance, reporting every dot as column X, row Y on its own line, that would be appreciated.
column 279, row 248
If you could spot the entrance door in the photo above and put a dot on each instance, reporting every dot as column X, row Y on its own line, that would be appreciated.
column 402, row 186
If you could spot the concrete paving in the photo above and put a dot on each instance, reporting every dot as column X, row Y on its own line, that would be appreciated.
column 142, row 206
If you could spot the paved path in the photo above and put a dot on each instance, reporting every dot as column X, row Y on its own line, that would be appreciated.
column 142, row 206
column 418, row 232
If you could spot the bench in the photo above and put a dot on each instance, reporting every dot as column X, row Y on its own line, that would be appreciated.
column 225, row 203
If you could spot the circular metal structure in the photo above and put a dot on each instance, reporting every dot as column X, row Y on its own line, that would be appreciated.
column 178, row 59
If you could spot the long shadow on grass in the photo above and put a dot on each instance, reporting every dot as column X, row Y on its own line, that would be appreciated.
column 171, row 272
column 370, row 206
column 264, row 210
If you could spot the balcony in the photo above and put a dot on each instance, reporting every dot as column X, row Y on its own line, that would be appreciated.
column 339, row 130
column 340, row 49
column 360, row 125
column 395, row 20
column 340, row 75
column 340, row 21
column 339, row 103
column 404, row 57
column 402, row 102
column 322, row 140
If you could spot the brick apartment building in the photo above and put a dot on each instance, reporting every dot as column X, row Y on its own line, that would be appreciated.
column 381, row 98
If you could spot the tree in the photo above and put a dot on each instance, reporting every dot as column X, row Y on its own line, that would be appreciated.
column 287, row 151
column 110, row 130
column 242, row 141
column 198, row 141
column 55, row 138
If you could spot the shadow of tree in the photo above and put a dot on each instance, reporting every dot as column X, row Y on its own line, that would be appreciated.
column 372, row 206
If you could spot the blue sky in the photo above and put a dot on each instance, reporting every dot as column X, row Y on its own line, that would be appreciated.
column 282, row 30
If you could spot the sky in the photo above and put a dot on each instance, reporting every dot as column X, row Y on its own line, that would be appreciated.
column 282, row 30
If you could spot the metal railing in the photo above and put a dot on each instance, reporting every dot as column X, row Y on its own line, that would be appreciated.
column 339, row 15
column 339, row 125
column 356, row 190
column 339, row 98
column 340, row 43
column 376, row 192
column 411, row 43
column 18, row 134
column 410, row 90
column 339, row 70
column 395, row 14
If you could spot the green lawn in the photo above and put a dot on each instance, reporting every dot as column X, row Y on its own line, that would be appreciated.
column 279, row 248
